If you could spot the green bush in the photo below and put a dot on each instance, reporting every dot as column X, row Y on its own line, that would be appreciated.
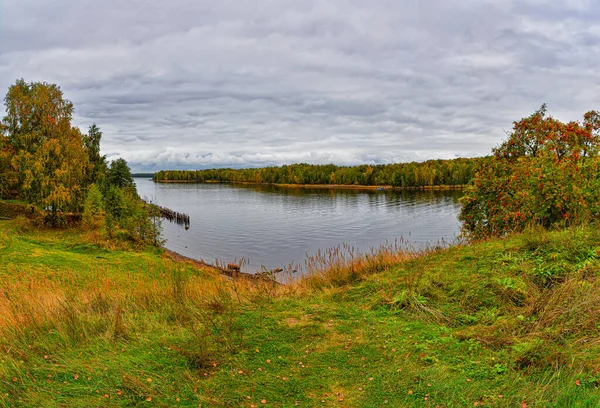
column 93, row 208
column 545, row 174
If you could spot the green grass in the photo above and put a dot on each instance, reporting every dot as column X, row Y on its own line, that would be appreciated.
column 500, row 323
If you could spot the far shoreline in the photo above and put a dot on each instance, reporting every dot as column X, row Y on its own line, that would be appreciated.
column 321, row 186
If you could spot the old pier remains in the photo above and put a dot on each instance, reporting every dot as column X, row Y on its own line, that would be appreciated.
column 174, row 216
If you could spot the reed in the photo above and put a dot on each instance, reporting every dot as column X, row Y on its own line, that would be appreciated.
column 346, row 264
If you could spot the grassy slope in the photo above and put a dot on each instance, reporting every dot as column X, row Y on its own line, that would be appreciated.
column 500, row 323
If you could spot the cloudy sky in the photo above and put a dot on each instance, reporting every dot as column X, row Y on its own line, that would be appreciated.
column 196, row 84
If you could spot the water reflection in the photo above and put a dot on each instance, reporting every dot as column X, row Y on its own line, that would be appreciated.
column 275, row 226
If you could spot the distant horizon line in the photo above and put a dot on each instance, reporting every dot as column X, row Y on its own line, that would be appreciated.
column 148, row 172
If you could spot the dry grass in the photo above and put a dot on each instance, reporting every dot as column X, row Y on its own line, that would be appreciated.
column 345, row 264
column 530, row 303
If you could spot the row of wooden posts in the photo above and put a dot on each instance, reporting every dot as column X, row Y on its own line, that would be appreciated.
column 174, row 216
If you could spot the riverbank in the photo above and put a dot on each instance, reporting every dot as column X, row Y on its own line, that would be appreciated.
column 230, row 270
column 506, row 322
column 320, row 186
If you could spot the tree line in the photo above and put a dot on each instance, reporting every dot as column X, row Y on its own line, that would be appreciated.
column 455, row 172
column 57, row 169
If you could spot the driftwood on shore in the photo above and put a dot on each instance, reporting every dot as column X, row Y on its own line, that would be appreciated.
column 231, row 270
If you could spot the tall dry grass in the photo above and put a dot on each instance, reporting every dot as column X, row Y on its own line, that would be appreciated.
column 54, row 314
column 105, row 305
column 346, row 264
column 113, row 304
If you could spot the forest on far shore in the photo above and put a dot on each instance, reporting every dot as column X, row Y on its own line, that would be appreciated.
column 455, row 172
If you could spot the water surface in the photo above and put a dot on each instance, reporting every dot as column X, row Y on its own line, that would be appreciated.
column 275, row 226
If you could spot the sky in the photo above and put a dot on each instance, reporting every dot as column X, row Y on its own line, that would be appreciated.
column 184, row 84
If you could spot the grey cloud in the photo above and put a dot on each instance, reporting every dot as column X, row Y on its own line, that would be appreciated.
column 197, row 84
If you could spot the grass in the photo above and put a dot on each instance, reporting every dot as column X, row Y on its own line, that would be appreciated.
column 501, row 323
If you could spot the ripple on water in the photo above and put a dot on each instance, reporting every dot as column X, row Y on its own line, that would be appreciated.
column 275, row 226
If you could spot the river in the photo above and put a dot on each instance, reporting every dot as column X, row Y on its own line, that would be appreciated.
column 277, row 226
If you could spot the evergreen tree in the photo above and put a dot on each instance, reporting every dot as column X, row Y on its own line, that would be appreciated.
column 93, row 208
column 119, row 174
column 97, row 161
